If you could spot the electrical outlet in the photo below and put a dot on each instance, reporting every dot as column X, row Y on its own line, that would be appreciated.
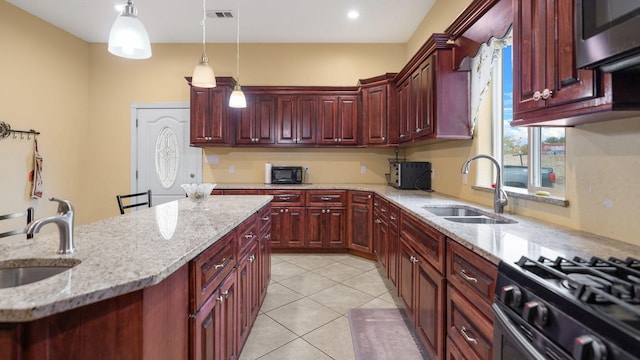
column 433, row 173
column 306, row 170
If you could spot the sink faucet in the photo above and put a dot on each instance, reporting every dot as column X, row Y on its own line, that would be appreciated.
column 64, row 220
column 499, row 195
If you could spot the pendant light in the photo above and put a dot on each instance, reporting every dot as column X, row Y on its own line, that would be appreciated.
column 128, row 38
column 203, row 75
column 237, row 99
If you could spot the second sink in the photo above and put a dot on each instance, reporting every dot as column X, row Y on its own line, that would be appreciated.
column 29, row 271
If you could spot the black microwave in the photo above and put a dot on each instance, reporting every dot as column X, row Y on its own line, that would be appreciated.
column 286, row 174
column 607, row 35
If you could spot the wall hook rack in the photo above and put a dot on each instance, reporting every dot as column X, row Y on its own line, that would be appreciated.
column 6, row 131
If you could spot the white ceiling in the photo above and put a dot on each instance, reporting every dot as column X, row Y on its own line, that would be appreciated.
column 261, row 21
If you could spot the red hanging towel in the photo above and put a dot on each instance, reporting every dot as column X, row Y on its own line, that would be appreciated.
column 36, row 173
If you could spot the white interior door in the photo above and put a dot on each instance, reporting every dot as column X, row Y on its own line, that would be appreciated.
column 164, row 159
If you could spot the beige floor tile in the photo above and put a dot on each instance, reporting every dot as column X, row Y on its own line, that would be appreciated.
column 302, row 316
column 276, row 259
column 266, row 336
column 378, row 303
column 338, row 271
column 392, row 298
column 341, row 298
column 296, row 350
column 285, row 270
column 278, row 295
column 359, row 263
column 334, row 339
column 370, row 283
column 307, row 283
column 311, row 262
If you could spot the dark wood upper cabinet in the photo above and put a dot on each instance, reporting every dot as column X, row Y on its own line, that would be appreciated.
column 338, row 120
column 297, row 119
column 549, row 89
column 433, row 98
column 210, row 114
column 378, row 110
column 255, row 124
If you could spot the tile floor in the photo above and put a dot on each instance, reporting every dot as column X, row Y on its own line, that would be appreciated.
column 304, row 315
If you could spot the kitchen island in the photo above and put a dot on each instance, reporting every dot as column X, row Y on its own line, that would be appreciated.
column 132, row 295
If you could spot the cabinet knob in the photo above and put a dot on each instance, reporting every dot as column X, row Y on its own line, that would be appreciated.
column 248, row 236
column 383, row 138
column 266, row 218
column 335, row 139
column 418, row 129
column 378, row 221
column 544, row 95
column 401, row 136
column 252, row 258
column 323, row 211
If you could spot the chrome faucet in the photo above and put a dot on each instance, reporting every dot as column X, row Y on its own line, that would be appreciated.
column 500, row 199
column 64, row 220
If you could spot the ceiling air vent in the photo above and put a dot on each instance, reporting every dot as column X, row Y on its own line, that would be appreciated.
column 220, row 14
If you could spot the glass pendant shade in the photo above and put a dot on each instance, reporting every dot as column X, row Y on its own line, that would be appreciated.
column 237, row 99
column 203, row 75
column 128, row 37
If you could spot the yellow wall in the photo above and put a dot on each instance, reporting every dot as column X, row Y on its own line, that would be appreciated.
column 44, row 76
column 79, row 97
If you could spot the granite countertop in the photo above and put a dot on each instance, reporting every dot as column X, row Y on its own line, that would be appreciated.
column 508, row 242
column 118, row 255
column 134, row 251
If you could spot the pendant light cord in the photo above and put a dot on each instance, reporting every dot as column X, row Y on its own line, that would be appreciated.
column 238, row 44
column 204, row 21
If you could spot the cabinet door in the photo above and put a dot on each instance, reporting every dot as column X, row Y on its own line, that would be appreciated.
column 405, row 111
column 406, row 277
column 544, row 47
column 426, row 103
column 256, row 122
column 348, row 120
column 430, row 294
column 10, row 344
column 325, row 227
column 361, row 227
column 264, row 259
column 297, row 119
column 206, row 330
column 393, row 254
column 228, row 298
column 245, row 297
column 374, row 112
column 328, row 120
column 208, row 116
column 288, row 227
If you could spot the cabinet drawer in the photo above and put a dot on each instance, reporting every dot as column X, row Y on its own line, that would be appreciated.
column 247, row 234
column 360, row 197
column 286, row 197
column 327, row 198
column 429, row 242
column 471, row 332
column 264, row 220
column 242, row 192
column 472, row 275
column 209, row 268
column 381, row 208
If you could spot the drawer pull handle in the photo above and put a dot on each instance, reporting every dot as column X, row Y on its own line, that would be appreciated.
column 414, row 259
column 378, row 221
column 252, row 258
column 218, row 266
column 220, row 298
column 466, row 336
column 266, row 218
column 393, row 217
column 248, row 236
column 467, row 277
column 383, row 210
column 325, row 198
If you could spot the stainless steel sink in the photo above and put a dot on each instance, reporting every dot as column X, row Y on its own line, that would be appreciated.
column 480, row 220
column 453, row 210
column 22, row 272
column 467, row 215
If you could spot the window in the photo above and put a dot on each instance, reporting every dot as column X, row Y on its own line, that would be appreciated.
column 532, row 158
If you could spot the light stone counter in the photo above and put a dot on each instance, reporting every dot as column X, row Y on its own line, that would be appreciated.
column 118, row 255
column 507, row 242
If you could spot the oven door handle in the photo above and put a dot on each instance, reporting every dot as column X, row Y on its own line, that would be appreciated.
column 513, row 332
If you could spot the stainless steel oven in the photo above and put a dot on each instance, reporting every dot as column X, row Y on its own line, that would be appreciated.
column 567, row 309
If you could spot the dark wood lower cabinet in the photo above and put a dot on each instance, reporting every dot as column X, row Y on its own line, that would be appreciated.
column 288, row 227
column 213, row 326
column 325, row 227
column 423, row 291
column 361, row 221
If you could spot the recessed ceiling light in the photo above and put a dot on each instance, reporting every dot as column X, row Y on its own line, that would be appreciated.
column 353, row 14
